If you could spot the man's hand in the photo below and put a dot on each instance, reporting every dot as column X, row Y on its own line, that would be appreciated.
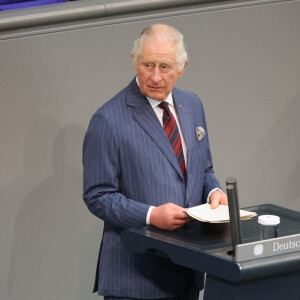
column 216, row 198
column 168, row 217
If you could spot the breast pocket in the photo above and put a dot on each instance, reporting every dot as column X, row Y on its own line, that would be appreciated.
column 199, row 152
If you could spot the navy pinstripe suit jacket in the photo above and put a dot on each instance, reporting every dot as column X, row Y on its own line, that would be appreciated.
column 129, row 165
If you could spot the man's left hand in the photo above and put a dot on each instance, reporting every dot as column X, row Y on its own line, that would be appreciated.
column 216, row 198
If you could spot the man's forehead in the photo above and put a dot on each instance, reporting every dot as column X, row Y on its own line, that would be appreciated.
column 165, row 51
column 151, row 56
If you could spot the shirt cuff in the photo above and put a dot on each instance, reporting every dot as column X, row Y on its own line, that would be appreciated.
column 212, row 192
column 148, row 215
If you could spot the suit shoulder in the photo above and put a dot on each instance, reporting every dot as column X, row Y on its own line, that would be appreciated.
column 188, row 96
column 106, row 114
column 115, row 103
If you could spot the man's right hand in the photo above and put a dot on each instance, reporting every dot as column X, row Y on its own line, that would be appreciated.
column 169, row 217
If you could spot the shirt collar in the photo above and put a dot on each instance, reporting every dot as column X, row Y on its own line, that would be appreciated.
column 155, row 103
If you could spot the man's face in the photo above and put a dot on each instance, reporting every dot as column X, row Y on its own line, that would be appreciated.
column 157, row 69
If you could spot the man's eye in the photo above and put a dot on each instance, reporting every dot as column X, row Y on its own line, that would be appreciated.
column 148, row 65
column 164, row 68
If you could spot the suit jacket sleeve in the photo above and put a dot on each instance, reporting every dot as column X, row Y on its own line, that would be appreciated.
column 102, row 192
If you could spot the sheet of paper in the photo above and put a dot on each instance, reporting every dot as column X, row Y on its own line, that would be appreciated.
column 205, row 213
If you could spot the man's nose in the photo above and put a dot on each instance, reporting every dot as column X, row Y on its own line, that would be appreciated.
column 156, row 75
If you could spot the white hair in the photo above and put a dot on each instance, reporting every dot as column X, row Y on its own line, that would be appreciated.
column 165, row 33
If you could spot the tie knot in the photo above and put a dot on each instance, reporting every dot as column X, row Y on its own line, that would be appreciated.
column 164, row 106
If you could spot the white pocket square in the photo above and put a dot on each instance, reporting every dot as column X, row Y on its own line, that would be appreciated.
column 200, row 133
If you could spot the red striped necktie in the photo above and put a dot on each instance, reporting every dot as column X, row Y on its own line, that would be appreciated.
column 172, row 132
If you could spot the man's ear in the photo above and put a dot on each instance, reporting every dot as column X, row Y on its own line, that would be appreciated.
column 182, row 71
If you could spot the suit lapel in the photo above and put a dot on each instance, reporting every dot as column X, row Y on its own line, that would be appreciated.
column 145, row 116
column 186, row 125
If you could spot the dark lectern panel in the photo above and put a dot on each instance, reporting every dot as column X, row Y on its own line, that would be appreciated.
column 272, row 288
column 204, row 246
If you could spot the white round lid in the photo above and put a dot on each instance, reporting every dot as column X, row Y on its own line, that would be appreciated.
column 268, row 220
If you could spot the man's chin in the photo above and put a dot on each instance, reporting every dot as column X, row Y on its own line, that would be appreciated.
column 156, row 96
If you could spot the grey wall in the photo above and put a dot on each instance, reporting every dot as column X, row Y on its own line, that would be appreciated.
column 244, row 65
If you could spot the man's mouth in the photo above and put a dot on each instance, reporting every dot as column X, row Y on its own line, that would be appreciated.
column 156, row 88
